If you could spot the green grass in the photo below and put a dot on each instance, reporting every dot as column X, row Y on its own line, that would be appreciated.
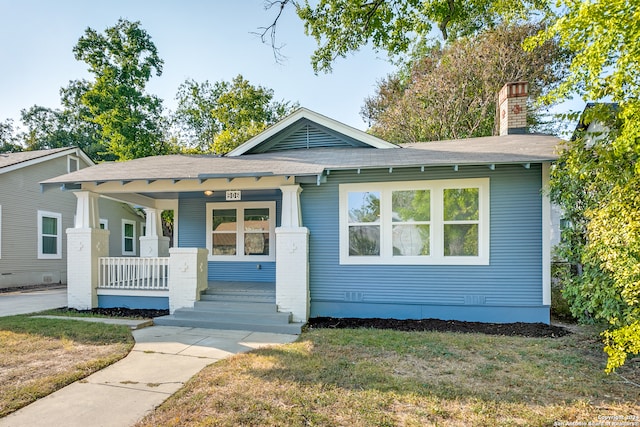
column 379, row 377
column 83, row 332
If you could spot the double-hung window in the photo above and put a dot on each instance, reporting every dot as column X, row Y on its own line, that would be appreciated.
column 49, row 235
column 128, row 237
column 241, row 231
column 415, row 222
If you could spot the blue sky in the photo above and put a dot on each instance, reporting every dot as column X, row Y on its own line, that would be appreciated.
column 197, row 39
column 202, row 40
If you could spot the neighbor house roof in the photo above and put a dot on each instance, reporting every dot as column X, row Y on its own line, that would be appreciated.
column 12, row 161
column 510, row 149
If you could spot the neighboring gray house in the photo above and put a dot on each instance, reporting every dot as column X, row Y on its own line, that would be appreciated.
column 33, row 247
column 316, row 218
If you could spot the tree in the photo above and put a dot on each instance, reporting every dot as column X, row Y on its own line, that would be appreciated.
column 123, row 59
column 397, row 26
column 9, row 142
column 598, row 183
column 451, row 92
column 218, row 117
column 77, row 116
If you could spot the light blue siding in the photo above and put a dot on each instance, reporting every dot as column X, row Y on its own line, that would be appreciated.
column 507, row 290
column 153, row 303
column 192, row 234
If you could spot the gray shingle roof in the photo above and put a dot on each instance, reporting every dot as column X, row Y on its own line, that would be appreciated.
column 526, row 148
column 10, row 159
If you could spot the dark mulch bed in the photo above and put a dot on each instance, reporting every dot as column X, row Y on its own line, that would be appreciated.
column 122, row 312
column 537, row 330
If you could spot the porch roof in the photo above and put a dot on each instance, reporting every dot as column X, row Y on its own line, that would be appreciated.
column 509, row 149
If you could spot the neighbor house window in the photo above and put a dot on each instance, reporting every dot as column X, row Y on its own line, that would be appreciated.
column 415, row 222
column 73, row 164
column 128, row 237
column 49, row 235
column 241, row 231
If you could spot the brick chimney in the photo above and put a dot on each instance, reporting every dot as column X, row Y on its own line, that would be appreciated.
column 512, row 108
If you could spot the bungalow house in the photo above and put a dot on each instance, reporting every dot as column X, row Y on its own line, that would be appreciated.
column 32, row 247
column 314, row 218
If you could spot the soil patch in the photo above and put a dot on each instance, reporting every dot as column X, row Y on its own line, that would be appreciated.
column 121, row 312
column 520, row 329
column 534, row 330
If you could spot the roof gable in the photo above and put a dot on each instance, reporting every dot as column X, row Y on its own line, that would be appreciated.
column 306, row 129
column 21, row 159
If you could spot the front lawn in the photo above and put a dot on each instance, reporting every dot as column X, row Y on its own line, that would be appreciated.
column 40, row 356
column 365, row 377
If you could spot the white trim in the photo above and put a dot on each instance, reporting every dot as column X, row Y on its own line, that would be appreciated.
column 325, row 121
column 240, row 207
column 58, row 218
column 104, row 222
column 124, row 237
column 117, row 190
column 133, row 293
column 546, row 236
column 436, row 256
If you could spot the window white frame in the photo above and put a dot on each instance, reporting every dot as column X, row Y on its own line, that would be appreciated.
column 71, row 160
column 436, row 255
column 125, row 237
column 104, row 224
column 58, row 235
column 240, row 207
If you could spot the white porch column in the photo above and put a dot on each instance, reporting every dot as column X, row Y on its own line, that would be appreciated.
column 86, row 242
column 154, row 244
column 188, row 269
column 292, row 257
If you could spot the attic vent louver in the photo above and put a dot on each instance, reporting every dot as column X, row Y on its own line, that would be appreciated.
column 307, row 137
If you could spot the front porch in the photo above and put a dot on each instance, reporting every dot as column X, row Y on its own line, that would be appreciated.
column 182, row 278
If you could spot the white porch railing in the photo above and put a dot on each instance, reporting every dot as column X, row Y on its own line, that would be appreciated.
column 133, row 273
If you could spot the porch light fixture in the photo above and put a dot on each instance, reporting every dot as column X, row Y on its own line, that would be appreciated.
column 208, row 193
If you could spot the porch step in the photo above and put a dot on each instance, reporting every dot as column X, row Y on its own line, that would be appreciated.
column 243, row 306
column 286, row 328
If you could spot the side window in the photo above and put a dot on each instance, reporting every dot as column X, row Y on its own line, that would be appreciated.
column 461, row 221
column 415, row 222
column 364, row 223
column 73, row 164
column 49, row 235
column 128, row 237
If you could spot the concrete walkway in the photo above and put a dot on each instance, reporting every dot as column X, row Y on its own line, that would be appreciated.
column 31, row 301
column 162, row 360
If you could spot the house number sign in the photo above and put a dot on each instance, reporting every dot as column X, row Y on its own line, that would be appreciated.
column 234, row 195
